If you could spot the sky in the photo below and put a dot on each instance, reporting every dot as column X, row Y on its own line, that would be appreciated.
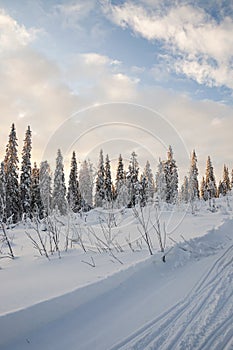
column 119, row 75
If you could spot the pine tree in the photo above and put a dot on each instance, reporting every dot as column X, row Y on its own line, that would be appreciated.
column 132, row 181
column 25, row 178
column 171, row 177
column 160, row 183
column 226, row 181
column 37, row 207
column 193, row 178
column 45, row 186
column 210, row 180
column 73, row 194
column 149, row 183
column 59, row 188
column 86, row 184
column 11, row 174
column 99, row 190
column 2, row 193
column 107, row 181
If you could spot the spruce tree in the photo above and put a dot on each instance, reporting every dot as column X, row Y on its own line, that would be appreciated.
column 149, row 182
column 221, row 189
column 37, row 207
column 143, row 190
column 73, row 193
column 59, row 188
column 11, row 175
column 226, row 181
column 2, row 193
column 184, row 191
column 171, row 177
column 45, row 186
column 107, row 181
column 99, row 190
column 132, row 181
column 160, row 183
column 120, row 175
column 210, row 180
column 25, row 178
column 203, row 190
column 123, row 199
column 86, row 184
column 193, row 178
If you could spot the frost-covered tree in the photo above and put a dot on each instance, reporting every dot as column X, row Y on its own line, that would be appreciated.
column 226, row 185
column 11, row 175
column 133, row 181
column 171, row 177
column 193, row 178
column 73, row 194
column 149, row 182
column 99, row 189
column 59, row 188
column 210, row 180
column 2, row 192
column 37, row 207
column 122, row 198
column 184, row 191
column 107, row 181
column 86, row 184
column 143, row 193
column 160, row 181
column 120, row 175
column 25, row 178
column 45, row 186
column 203, row 190
column 221, row 189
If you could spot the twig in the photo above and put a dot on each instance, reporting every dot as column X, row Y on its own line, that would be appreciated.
column 92, row 264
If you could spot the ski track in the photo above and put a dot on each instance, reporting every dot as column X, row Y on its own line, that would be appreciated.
column 203, row 320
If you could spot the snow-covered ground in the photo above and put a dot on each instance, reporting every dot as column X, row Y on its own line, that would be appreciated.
column 127, row 301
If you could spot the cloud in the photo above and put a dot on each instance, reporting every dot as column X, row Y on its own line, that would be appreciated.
column 96, row 59
column 189, row 35
column 35, row 90
column 204, row 125
column 32, row 90
column 101, row 78
column 73, row 12
column 12, row 35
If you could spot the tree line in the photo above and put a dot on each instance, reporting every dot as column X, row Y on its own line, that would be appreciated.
column 31, row 190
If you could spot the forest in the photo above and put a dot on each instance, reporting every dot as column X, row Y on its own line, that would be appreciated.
column 33, row 190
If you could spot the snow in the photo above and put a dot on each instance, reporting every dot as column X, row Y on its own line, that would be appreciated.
column 185, row 303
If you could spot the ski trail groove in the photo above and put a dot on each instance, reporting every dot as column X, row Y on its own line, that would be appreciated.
column 203, row 320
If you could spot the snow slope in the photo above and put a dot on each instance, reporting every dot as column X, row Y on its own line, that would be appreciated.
column 185, row 303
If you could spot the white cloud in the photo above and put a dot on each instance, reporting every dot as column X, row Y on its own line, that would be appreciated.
column 205, row 73
column 12, row 35
column 75, row 11
column 98, row 60
column 33, row 91
column 101, row 77
column 201, row 42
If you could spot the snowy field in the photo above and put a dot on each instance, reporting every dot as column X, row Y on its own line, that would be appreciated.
column 115, row 295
